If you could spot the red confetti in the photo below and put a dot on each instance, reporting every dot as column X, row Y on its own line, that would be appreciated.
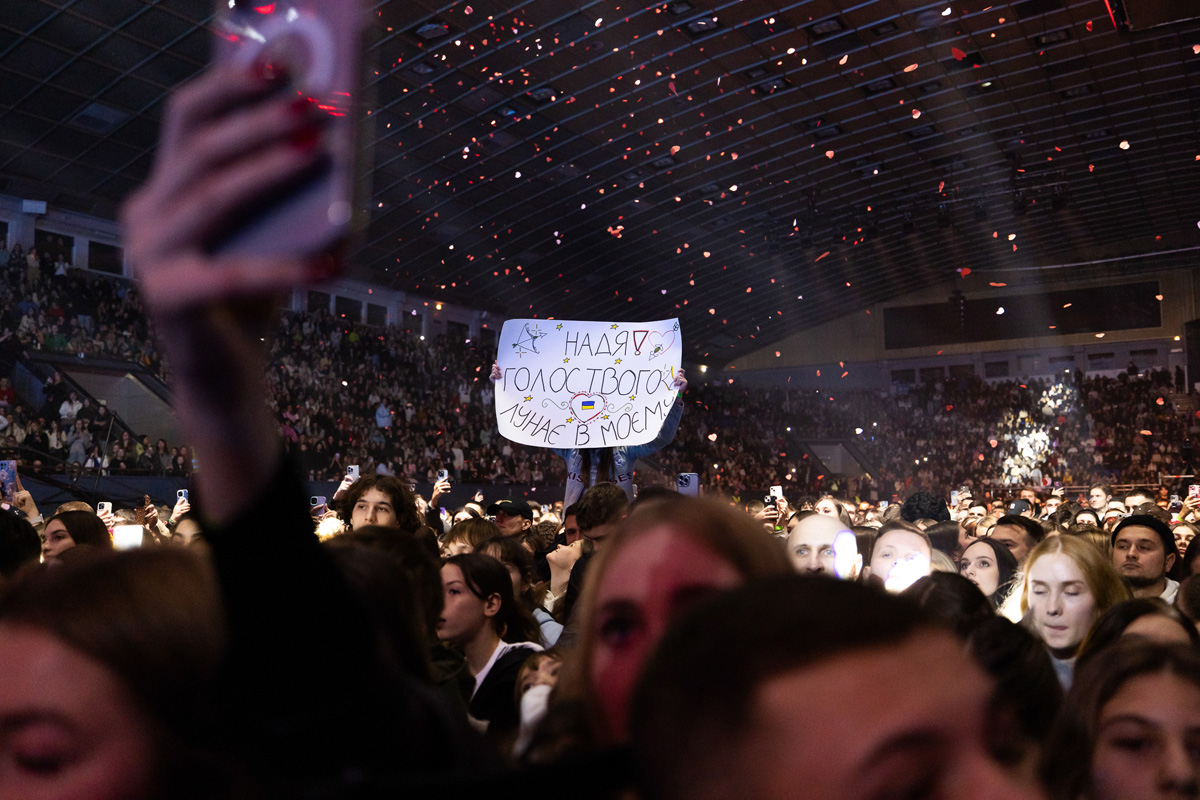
column 959, row 55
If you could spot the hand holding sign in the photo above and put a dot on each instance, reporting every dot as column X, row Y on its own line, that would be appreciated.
column 573, row 384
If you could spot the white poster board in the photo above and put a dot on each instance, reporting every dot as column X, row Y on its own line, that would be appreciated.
column 572, row 384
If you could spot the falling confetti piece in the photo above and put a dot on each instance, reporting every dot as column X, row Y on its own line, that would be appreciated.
column 845, row 58
column 829, row 154
column 778, row 354
column 965, row 271
column 1159, row 401
column 995, row 283
column 1196, row 49
column 1000, row 310
column 821, row 256
column 1099, row 335
column 959, row 55
column 1124, row 145
column 916, row 113
column 712, row 437
column 1088, row 25
column 910, row 68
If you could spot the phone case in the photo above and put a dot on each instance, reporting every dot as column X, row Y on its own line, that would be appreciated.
column 319, row 45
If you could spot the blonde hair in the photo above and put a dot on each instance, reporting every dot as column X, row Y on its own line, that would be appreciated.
column 1102, row 577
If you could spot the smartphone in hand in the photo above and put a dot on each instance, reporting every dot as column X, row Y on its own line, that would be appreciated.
column 314, row 47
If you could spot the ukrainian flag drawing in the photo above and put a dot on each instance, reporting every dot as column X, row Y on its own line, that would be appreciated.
column 588, row 405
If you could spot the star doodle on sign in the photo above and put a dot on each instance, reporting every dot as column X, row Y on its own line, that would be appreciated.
column 613, row 326
column 559, row 328
column 617, row 361
column 566, row 360
column 632, row 397
column 570, row 419
column 528, row 397
column 604, row 417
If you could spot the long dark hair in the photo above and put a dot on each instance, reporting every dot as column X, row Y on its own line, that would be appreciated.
column 1111, row 625
column 1007, row 565
column 1067, row 756
column 486, row 576
column 85, row 528
column 510, row 552
column 604, row 467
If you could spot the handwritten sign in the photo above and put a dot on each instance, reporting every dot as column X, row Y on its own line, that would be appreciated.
column 571, row 384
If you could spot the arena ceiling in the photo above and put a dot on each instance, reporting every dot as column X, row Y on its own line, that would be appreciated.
column 753, row 167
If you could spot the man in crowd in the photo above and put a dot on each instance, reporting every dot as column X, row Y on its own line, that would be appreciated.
column 380, row 500
column 902, row 554
column 1144, row 552
column 570, row 524
column 821, row 545
column 512, row 517
column 1138, row 497
column 838, row 692
column 1098, row 496
column 1018, row 533
column 599, row 510
column 1023, row 508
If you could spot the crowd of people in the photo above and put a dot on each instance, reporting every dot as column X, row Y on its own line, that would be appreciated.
column 1010, row 638
column 397, row 402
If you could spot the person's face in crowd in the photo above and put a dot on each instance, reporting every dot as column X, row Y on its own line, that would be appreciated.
column 1061, row 603
column 827, row 507
column 571, row 529
column 187, row 530
column 978, row 565
column 646, row 585
column 1147, row 740
column 1086, row 518
column 1183, row 537
column 899, row 558
column 1015, row 539
column 907, row 720
column 514, row 574
column 966, row 538
column 373, row 508
column 71, row 729
column 1029, row 495
column 813, row 544
column 544, row 673
column 463, row 614
column 976, row 512
column 458, row 547
column 462, row 515
column 565, row 555
column 511, row 524
column 1135, row 500
column 1097, row 499
column 1052, row 504
column 55, row 540
column 1139, row 555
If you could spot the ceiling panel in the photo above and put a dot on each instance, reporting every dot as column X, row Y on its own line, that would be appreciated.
column 589, row 159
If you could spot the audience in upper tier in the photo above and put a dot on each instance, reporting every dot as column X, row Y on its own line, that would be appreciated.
column 394, row 403
column 265, row 645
